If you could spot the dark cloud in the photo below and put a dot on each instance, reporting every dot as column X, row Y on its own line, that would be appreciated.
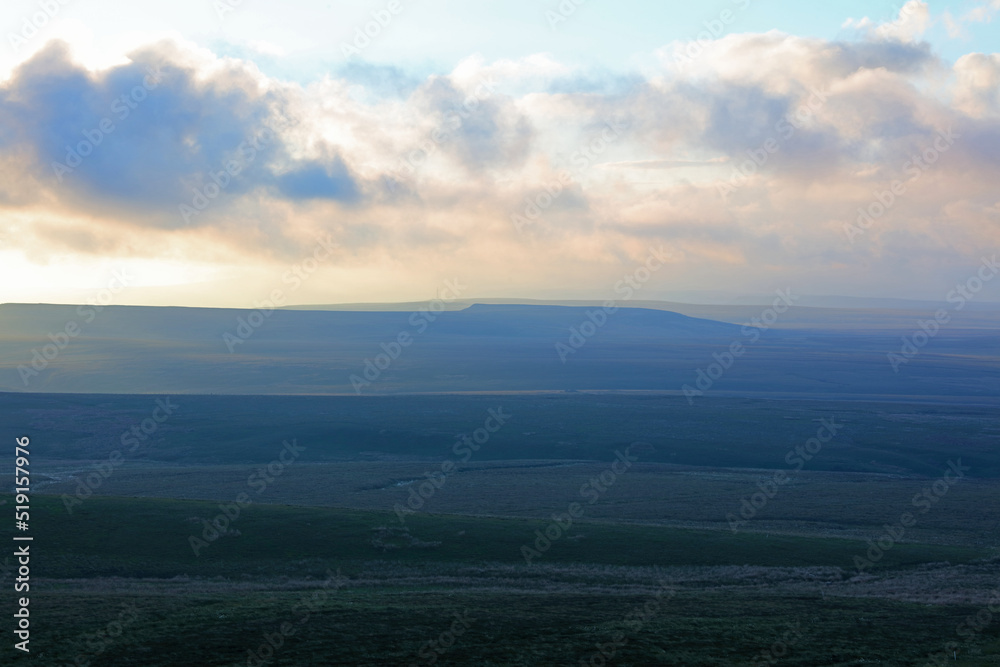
column 980, row 141
column 894, row 56
column 484, row 129
column 150, row 134
column 741, row 117
column 319, row 181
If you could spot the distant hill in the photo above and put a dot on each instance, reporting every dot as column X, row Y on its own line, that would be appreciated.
column 481, row 348
column 809, row 311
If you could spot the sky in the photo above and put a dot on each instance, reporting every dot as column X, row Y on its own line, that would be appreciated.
column 231, row 152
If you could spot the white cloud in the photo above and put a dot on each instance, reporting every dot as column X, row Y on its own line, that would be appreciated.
column 982, row 13
column 977, row 88
column 953, row 26
column 266, row 48
column 857, row 24
column 908, row 26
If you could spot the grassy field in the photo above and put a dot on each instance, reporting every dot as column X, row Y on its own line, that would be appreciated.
column 812, row 503
column 714, row 597
column 396, row 627
column 147, row 537
column 891, row 438
column 650, row 573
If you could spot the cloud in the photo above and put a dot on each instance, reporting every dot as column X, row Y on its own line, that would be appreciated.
column 953, row 26
column 908, row 26
column 982, row 13
column 318, row 181
column 667, row 164
column 977, row 89
column 485, row 129
column 802, row 131
column 912, row 22
column 379, row 80
column 148, row 135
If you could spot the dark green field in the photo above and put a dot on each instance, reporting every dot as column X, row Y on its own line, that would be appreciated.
column 718, row 598
column 878, row 437
column 650, row 573
column 217, row 625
